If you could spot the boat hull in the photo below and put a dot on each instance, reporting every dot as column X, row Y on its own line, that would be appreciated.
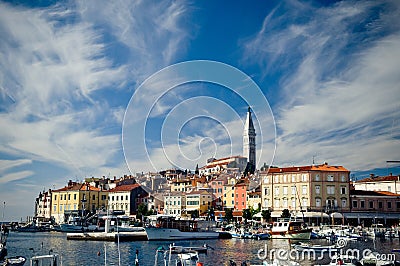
column 154, row 233
column 300, row 235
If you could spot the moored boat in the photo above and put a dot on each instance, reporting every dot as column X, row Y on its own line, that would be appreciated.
column 290, row 229
column 170, row 228
column 14, row 261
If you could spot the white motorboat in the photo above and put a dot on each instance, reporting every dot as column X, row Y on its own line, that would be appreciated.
column 290, row 229
column 51, row 260
column 169, row 228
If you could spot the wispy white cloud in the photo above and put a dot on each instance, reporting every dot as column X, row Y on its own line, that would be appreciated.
column 15, row 176
column 340, row 98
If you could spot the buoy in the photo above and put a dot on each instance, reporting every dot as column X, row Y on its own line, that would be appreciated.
column 199, row 264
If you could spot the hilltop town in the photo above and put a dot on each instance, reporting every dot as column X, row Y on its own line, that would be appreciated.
column 231, row 188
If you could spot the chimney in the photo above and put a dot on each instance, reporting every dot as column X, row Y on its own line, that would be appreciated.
column 372, row 175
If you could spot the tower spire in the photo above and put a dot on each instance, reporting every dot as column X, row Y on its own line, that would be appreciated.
column 249, row 140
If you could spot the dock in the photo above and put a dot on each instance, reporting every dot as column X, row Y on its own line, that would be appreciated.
column 111, row 236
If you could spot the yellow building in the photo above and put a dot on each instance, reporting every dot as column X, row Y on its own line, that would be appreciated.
column 229, row 193
column 200, row 200
column 77, row 199
column 182, row 185
column 314, row 188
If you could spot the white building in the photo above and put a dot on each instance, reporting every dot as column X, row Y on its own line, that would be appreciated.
column 388, row 183
column 224, row 165
column 174, row 203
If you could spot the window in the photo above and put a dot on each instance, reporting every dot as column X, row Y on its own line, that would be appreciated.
column 304, row 190
column 330, row 190
column 330, row 178
column 276, row 190
column 74, row 206
column 266, row 179
column 317, row 190
column 266, row 191
column 343, row 190
column 60, row 208
column 317, row 202
column 343, row 178
column 55, row 197
column 362, row 204
column 293, row 178
column 317, row 177
column 266, row 203
column 69, row 196
column 126, row 197
column 284, row 178
column 355, row 204
column 112, row 198
column 276, row 203
column 55, row 207
column 389, row 188
column 74, row 196
column 371, row 204
column 398, row 204
column 293, row 203
column 305, row 203
column 380, row 204
column 285, row 203
column 276, row 179
column 389, row 204
column 304, row 178
column 94, row 197
column 285, row 190
column 344, row 203
column 293, row 190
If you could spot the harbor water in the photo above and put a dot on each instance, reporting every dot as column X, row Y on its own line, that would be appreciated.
column 107, row 253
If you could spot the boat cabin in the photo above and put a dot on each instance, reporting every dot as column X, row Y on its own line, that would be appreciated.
column 286, row 224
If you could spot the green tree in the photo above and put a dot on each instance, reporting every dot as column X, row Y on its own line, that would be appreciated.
column 266, row 215
column 228, row 215
column 285, row 213
column 141, row 211
column 246, row 214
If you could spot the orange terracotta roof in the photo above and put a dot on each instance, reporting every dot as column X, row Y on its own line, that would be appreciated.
column 379, row 179
column 124, row 188
column 322, row 167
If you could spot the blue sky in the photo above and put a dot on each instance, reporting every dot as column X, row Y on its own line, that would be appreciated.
column 75, row 75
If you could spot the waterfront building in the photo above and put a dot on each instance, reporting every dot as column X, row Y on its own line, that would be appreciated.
column 369, row 207
column 249, row 141
column 200, row 200
column 229, row 193
column 217, row 187
column 389, row 183
column 43, row 206
column 223, row 165
column 254, row 199
column 240, row 195
column 126, row 198
column 313, row 188
column 175, row 203
column 155, row 202
column 77, row 199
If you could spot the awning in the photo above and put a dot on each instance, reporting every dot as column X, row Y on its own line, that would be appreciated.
column 312, row 215
column 336, row 215
column 368, row 215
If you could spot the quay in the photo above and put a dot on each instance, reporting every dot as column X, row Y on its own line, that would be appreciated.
column 110, row 236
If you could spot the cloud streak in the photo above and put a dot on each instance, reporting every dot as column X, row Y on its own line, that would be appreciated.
column 341, row 94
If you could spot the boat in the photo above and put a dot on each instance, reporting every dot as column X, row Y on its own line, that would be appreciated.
column 50, row 260
column 169, row 228
column 14, row 261
column 32, row 228
column 182, row 249
column 290, row 228
column 74, row 224
column 3, row 250
column 187, row 256
column 301, row 246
